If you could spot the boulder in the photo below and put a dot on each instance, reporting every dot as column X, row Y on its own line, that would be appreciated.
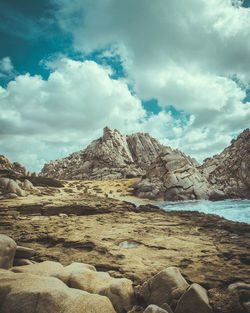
column 165, row 287
column 21, row 262
column 24, row 252
column 14, row 188
column 84, row 277
column 195, row 297
column 152, row 308
column 45, row 268
column 238, row 285
column 247, row 306
column 24, row 293
column 4, row 182
column 28, row 185
column 7, row 251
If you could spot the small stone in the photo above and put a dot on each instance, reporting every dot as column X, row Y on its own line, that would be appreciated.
column 152, row 308
column 24, row 252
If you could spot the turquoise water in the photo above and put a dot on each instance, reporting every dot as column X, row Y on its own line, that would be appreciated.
column 234, row 210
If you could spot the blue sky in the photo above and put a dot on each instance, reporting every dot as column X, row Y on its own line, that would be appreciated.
column 69, row 68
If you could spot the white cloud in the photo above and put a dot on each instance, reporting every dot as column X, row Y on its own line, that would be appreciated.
column 6, row 68
column 65, row 112
column 185, row 54
column 189, row 56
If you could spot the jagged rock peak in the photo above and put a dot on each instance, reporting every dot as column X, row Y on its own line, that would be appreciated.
column 112, row 156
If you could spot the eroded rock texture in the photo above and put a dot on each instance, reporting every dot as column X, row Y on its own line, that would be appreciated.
column 229, row 171
column 174, row 176
column 112, row 156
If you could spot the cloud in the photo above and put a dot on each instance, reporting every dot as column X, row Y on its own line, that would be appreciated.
column 6, row 68
column 194, row 57
column 62, row 114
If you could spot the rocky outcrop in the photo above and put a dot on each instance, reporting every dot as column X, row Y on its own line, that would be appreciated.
column 112, row 156
column 11, row 169
column 229, row 171
column 173, row 176
column 13, row 179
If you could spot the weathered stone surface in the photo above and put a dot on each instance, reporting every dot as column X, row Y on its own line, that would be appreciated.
column 46, row 268
column 24, row 252
column 173, row 176
column 25, row 293
column 152, row 308
column 207, row 249
column 84, row 277
column 238, row 285
column 247, row 306
column 13, row 187
column 166, row 286
column 13, row 169
column 112, row 156
column 7, row 251
column 229, row 171
column 27, row 185
column 194, row 298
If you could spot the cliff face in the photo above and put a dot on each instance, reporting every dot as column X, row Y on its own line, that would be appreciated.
column 229, row 171
column 112, row 156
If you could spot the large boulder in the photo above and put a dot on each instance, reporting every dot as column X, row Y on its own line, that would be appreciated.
column 7, row 251
column 194, row 298
column 165, row 287
column 45, row 268
column 85, row 277
column 24, row 293
column 13, row 187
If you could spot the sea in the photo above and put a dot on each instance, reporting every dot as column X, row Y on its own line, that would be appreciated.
column 234, row 210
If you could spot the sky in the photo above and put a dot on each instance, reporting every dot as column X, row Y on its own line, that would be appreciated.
column 179, row 70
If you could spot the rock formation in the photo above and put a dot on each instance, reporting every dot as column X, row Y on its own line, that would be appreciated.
column 173, row 176
column 166, row 174
column 229, row 171
column 112, row 156
column 11, row 169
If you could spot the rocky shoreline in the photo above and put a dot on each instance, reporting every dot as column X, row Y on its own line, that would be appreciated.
column 134, row 243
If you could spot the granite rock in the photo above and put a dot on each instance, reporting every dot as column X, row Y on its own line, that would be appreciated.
column 112, row 156
column 7, row 251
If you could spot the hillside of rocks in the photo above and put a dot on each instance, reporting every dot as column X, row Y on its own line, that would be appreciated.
column 229, row 171
column 110, row 157
column 174, row 176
